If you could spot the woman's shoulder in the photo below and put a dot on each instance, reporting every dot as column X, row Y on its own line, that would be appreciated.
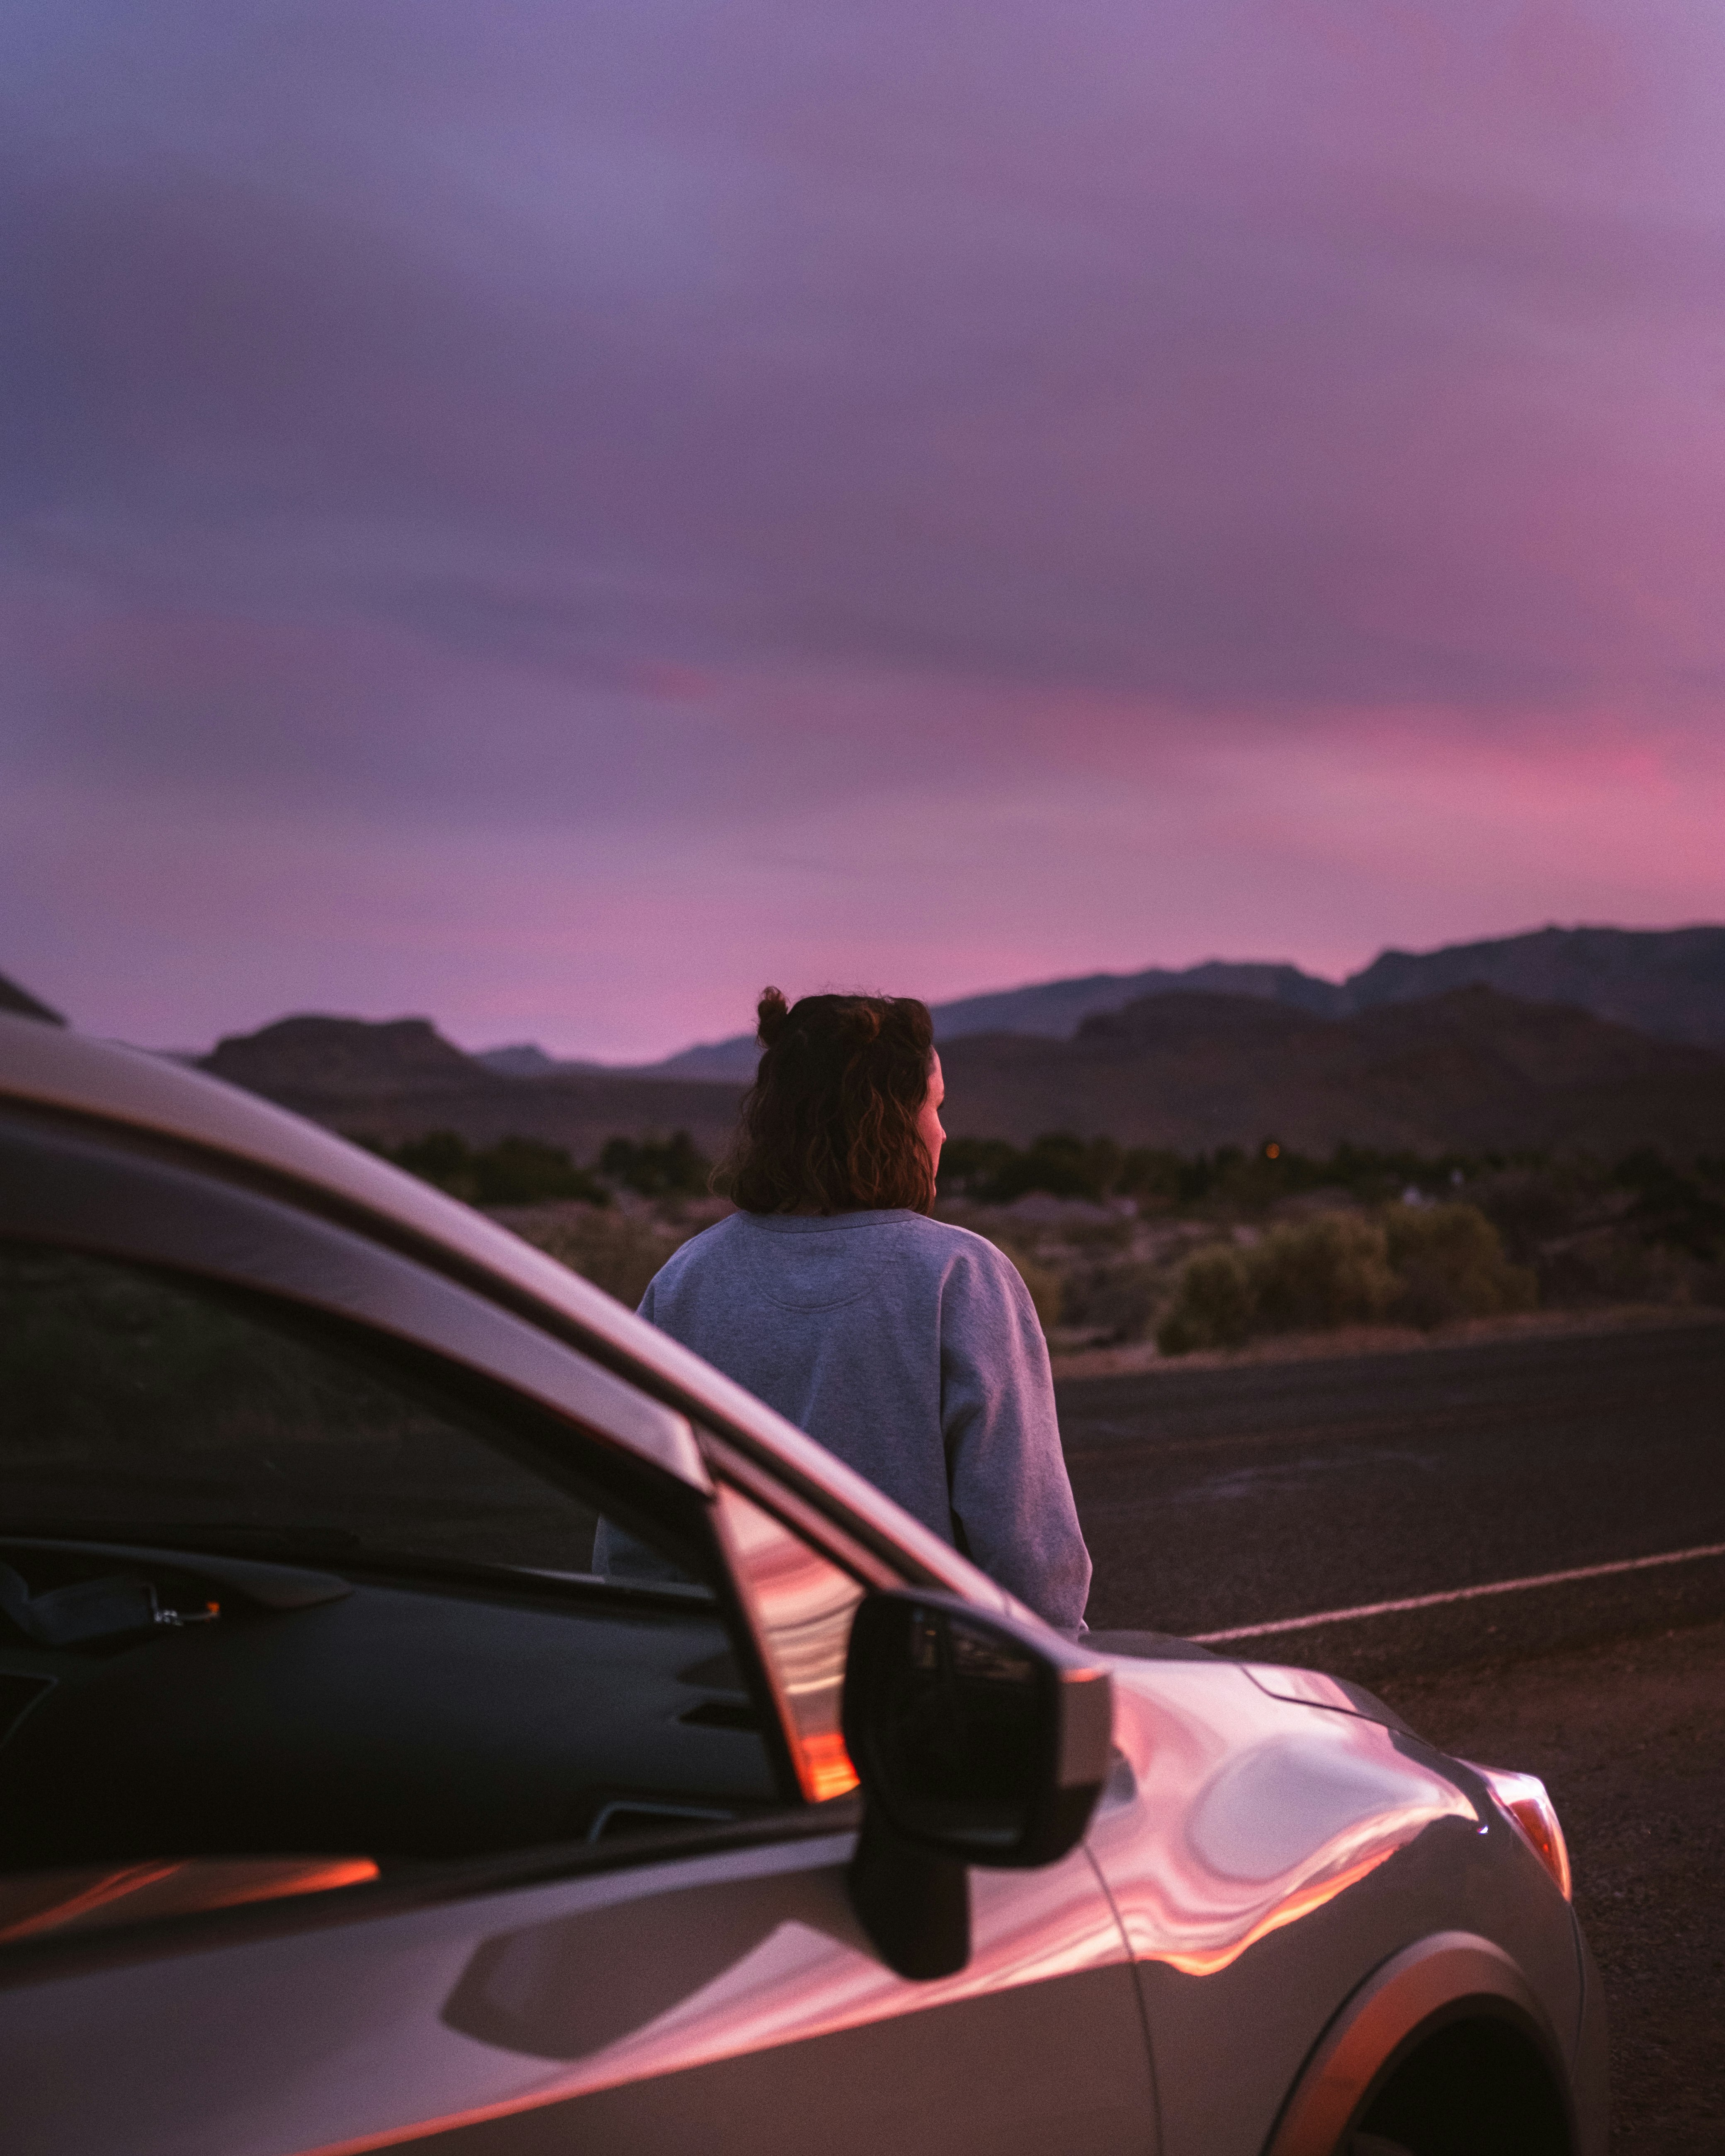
column 705, row 1243
column 960, row 1251
column 711, row 1246
column 939, row 1244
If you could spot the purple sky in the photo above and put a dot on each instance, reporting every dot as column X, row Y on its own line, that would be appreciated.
column 552, row 516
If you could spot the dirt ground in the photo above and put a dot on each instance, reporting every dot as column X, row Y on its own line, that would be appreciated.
column 1630, row 1738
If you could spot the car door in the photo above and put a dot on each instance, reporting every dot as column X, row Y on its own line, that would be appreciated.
column 396, row 1824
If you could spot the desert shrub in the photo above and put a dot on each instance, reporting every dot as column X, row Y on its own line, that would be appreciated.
column 1214, row 1306
column 1047, row 1285
column 512, row 1171
column 1609, row 1265
column 1091, row 1237
column 1315, row 1275
column 1449, row 1263
column 1673, row 1208
column 1418, row 1265
column 617, row 1252
column 522, row 1171
column 969, row 1165
column 1151, row 1175
column 1058, row 1163
column 657, row 1167
column 1528, row 1209
column 1116, row 1301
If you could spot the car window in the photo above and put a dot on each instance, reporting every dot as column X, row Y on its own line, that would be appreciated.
column 132, row 1402
column 329, row 1611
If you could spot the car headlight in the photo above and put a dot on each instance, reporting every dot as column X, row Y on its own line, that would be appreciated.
column 1525, row 1802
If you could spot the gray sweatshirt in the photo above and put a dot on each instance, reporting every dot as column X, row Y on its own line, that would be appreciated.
column 911, row 1350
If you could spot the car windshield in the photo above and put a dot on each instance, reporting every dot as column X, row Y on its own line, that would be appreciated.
column 139, row 1408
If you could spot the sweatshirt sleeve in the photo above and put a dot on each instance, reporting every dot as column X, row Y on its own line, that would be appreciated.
column 1004, row 1465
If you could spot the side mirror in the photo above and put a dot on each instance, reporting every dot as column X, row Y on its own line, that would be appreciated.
column 978, row 1740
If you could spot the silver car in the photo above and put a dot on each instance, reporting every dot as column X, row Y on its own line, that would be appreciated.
column 437, row 1710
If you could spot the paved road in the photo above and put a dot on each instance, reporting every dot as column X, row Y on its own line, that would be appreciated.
column 1214, row 1498
column 1218, row 1497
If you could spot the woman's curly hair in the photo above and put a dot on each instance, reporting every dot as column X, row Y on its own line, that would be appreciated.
column 830, row 1125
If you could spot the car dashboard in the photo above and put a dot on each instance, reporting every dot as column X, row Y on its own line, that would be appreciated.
column 263, row 1711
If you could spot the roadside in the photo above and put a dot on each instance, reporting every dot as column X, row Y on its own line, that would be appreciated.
column 1133, row 1257
column 1630, row 1738
column 1142, row 1356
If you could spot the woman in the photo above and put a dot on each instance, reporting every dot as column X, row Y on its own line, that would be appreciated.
column 908, row 1347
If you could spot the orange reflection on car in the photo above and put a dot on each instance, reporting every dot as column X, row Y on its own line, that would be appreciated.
column 826, row 1766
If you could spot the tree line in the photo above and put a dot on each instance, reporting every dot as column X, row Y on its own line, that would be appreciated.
column 517, row 1171
column 1682, row 1207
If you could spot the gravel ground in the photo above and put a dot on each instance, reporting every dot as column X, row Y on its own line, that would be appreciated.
column 1630, row 1738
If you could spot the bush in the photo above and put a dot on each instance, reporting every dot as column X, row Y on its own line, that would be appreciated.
column 523, row 1171
column 658, row 1168
column 969, row 1166
column 1151, row 1175
column 1672, row 1209
column 996, row 1171
column 512, row 1171
column 1333, row 1270
column 1528, row 1209
column 1450, row 1263
column 1603, row 1266
column 1215, row 1306
column 1115, row 1302
column 1419, row 1265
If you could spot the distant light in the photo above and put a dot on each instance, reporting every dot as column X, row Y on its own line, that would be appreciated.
column 1272, row 1153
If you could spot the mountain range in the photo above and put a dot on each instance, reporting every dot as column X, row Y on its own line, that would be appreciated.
column 401, row 1079
column 1467, row 1070
column 1602, row 1039
column 1470, row 1070
column 1669, row 982
column 23, row 1005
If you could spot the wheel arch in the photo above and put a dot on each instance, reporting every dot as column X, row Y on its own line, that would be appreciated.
column 1440, row 1981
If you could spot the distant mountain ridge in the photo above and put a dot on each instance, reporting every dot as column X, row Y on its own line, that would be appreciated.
column 1469, row 1070
column 1053, row 1010
column 1669, row 982
column 526, row 1059
column 401, row 1078
column 350, row 1059
column 23, row 1005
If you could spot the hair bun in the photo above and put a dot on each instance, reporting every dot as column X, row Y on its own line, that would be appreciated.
column 772, row 1016
column 860, row 1026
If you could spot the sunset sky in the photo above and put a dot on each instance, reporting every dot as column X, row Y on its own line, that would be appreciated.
column 551, row 515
